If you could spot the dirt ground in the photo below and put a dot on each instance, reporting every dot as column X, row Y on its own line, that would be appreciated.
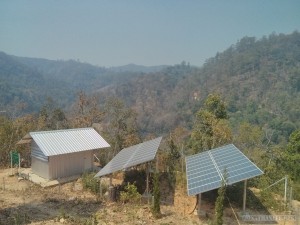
column 22, row 202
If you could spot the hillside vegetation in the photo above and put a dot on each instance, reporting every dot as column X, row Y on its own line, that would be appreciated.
column 248, row 95
column 258, row 78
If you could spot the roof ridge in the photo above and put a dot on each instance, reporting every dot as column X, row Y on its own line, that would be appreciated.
column 61, row 130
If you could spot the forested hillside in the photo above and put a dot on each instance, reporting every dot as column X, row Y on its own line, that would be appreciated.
column 259, row 79
column 31, row 81
column 248, row 95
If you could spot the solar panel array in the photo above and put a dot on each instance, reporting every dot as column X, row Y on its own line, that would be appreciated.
column 131, row 156
column 205, row 171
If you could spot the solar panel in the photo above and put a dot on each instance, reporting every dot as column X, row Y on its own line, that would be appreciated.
column 205, row 170
column 131, row 156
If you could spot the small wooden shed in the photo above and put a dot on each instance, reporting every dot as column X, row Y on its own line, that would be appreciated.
column 63, row 153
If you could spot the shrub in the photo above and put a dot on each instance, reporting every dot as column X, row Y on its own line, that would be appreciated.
column 130, row 194
column 92, row 184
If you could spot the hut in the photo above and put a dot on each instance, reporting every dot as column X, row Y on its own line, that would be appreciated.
column 63, row 153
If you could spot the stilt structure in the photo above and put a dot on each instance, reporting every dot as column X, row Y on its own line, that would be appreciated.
column 245, row 196
column 199, row 204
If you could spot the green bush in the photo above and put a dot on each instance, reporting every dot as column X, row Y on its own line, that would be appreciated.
column 92, row 184
column 130, row 194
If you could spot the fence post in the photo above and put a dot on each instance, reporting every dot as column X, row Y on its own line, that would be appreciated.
column 298, row 216
column 3, row 184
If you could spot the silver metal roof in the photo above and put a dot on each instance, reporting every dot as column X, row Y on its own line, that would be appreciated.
column 131, row 156
column 58, row 142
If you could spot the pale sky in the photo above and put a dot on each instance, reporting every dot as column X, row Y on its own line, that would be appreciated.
column 145, row 32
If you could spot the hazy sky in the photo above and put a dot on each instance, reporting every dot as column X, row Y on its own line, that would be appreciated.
column 148, row 32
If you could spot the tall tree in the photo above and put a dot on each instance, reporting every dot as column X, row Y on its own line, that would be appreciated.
column 6, row 139
column 219, row 206
column 211, row 127
column 11, row 131
column 87, row 111
column 292, row 156
column 156, row 193
column 120, row 125
column 51, row 117
column 173, row 156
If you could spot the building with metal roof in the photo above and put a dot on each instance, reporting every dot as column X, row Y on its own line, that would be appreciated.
column 63, row 153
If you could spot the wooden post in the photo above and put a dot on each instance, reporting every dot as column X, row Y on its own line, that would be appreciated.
column 245, row 195
column 147, row 179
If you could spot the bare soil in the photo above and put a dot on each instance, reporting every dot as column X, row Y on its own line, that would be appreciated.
column 22, row 202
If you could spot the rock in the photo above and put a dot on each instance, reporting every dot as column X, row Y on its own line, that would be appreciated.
column 62, row 220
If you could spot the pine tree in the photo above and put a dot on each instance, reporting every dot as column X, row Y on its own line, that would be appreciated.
column 219, row 206
column 156, row 193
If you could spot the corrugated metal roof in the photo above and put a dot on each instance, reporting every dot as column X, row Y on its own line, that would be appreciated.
column 59, row 142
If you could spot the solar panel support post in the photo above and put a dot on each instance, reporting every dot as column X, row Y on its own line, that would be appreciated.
column 245, row 195
column 199, row 204
column 147, row 181
column 110, row 188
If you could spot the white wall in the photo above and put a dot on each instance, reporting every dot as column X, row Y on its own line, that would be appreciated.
column 70, row 164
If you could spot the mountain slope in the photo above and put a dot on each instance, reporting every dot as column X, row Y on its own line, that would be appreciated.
column 138, row 68
column 259, row 79
column 18, row 82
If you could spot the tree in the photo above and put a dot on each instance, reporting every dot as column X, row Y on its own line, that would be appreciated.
column 120, row 125
column 216, row 106
column 11, row 131
column 156, row 194
column 51, row 117
column 174, row 154
column 211, row 128
column 87, row 111
column 219, row 206
column 292, row 156
column 6, row 139
column 249, row 139
column 172, row 161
